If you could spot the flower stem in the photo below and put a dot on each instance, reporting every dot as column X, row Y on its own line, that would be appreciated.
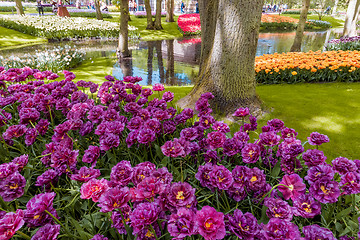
column 23, row 235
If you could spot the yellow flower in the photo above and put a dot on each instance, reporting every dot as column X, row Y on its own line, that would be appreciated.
column 294, row 73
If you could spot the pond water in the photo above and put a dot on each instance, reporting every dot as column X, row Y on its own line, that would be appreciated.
column 175, row 62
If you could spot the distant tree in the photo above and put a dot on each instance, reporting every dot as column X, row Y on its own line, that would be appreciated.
column 19, row 7
column 150, row 22
column 296, row 47
column 170, row 11
column 98, row 11
column 123, row 47
column 157, row 23
column 352, row 15
column 320, row 6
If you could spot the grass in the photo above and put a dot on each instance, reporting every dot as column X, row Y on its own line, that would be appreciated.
column 335, row 23
column 10, row 38
column 328, row 108
column 170, row 30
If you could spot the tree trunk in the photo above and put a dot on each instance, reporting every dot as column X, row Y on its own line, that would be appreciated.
column 126, row 67
column 170, row 71
column 351, row 18
column 150, row 23
column 160, row 61
column 169, row 10
column 157, row 23
column 230, row 32
column 123, row 48
column 19, row 7
column 98, row 11
column 149, row 63
column 296, row 47
column 335, row 7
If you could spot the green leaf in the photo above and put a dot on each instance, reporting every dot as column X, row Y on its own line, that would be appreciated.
column 343, row 213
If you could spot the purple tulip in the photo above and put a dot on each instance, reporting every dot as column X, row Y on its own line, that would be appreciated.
column 315, row 232
column 47, row 232
column 10, row 223
column 143, row 215
column 244, row 226
column 12, row 187
column 317, row 138
column 343, row 165
column 221, row 177
column 278, row 208
column 306, row 206
column 182, row 224
column 293, row 188
column 210, row 223
column 325, row 191
column 181, row 194
column 35, row 214
column 279, row 229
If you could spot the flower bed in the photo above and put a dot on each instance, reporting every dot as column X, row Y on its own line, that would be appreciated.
column 124, row 163
column 345, row 44
column 317, row 24
column 311, row 66
column 53, row 59
column 189, row 24
column 60, row 28
column 88, row 14
column 142, row 14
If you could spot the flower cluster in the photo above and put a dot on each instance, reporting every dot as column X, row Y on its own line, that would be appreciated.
column 54, row 27
column 345, row 44
column 189, row 24
column 52, row 59
column 307, row 67
column 184, row 174
column 142, row 14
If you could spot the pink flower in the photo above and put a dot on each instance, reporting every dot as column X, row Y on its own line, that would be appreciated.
column 94, row 189
column 158, row 87
column 210, row 223
column 294, row 186
column 10, row 223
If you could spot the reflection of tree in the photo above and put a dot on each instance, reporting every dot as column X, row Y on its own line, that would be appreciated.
column 149, row 63
column 170, row 71
column 160, row 61
column 126, row 66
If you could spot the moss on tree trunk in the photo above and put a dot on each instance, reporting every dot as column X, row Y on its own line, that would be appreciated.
column 296, row 47
column 230, row 31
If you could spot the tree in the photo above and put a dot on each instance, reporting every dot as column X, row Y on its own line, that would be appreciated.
column 170, row 71
column 150, row 22
column 19, row 7
column 296, row 47
column 335, row 7
column 352, row 15
column 157, row 23
column 230, row 32
column 123, row 47
column 169, row 10
column 98, row 11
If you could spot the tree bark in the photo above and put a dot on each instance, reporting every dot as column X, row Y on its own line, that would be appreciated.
column 19, row 7
column 352, row 15
column 98, row 11
column 126, row 67
column 150, row 22
column 170, row 71
column 158, row 49
column 296, row 47
column 157, row 23
column 123, row 47
column 230, row 32
column 169, row 10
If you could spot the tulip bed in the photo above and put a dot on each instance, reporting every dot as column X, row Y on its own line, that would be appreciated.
column 62, row 28
column 345, row 44
column 295, row 67
column 52, row 59
column 117, row 161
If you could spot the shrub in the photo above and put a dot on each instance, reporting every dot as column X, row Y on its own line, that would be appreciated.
column 295, row 12
column 345, row 44
column 52, row 59
column 88, row 14
column 297, row 67
column 183, row 175
column 54, row 27
column 7, row 9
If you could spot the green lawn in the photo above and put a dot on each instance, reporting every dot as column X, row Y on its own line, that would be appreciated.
column 170, row 30
column 10, row 38
column 335, row 23
column 329, row 108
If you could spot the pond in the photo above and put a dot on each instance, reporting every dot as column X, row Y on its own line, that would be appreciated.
column 175, row 62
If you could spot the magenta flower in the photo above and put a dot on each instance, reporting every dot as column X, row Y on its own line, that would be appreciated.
column 94, row 189
column 203, row 175
column 276, row 124
column 47, row 232
column 182, row 224
column 343, row 165
column 117, row 220
column 278, row 208
column 10, row 223
column 317, row 138
column 158, row 87
column 306, row 206
column 240, row 175
column 315, row 232
column 244, row 226
column 12, row 187
column 99, row 237
column 256, row 179
column 121, row 173
column 142, row 170
column 350, row 183
column 148, row 189
column 293, row 188
column 168, row 96
column 280, row 229
column 216, row 140
column 91, row 155
column 47, row 179
column 181, row 194
column 313, row 157
column 269, row 138
column 322, row 171
column 35, row 214
column 210, row 223
column 250, row 153
column 241, row 112
column 221, row 177
column 109, row 141
column 114, row 198
column 144, row 215
column 14, row 131
column 85, row 174
column 173, row 148
column 21, row 161
column 325, row 191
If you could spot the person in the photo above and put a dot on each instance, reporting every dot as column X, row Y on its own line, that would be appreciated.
column 182, row 7
column 103, row 7
column 135, row 6
column 328, row 9
column 78, row 5
column 40, row 7
column 197, row 6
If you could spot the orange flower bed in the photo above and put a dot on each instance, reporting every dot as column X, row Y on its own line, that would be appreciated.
column 271, row 18
column 308, row 67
